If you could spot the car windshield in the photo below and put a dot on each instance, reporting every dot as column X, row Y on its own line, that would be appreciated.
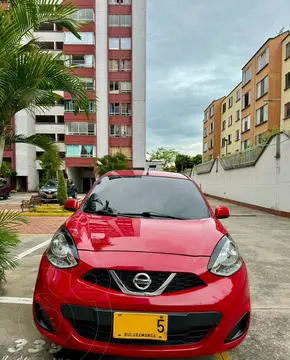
column 160, row 197
column 51, row 183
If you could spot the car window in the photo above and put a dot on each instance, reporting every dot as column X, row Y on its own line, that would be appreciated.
column 163, row 195
column 2, row 185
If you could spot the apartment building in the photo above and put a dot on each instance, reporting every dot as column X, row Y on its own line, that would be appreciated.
column 285, row 90
column 231, row 122
column 212, row 130
column 110, row 59
column 261, row 80
column 258, row 105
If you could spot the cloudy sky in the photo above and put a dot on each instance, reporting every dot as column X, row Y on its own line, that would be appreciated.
column 195, row 52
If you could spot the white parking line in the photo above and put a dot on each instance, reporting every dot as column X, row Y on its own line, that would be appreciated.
column 15, row 300
column 29, row 251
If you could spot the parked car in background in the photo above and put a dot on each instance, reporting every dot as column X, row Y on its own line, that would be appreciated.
column 48, row 192
column 5, row 190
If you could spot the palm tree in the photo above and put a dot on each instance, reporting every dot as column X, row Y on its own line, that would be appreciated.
column 108, row 163
column 30, row 75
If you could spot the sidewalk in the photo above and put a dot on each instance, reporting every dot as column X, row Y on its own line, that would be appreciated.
column 41, row 225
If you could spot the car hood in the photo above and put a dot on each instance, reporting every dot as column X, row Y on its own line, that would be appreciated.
column 189, row 237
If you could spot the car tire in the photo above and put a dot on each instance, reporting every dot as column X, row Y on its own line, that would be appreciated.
column 5, row 197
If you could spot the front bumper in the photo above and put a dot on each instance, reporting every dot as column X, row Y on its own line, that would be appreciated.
column 81, row 314
column 47, row 196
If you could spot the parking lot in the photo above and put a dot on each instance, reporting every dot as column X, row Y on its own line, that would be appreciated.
column 264, row 241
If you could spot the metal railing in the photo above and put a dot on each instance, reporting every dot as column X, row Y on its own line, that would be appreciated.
column 241, row 159
column 205, row 167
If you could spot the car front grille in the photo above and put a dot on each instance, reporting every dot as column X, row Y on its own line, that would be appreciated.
column 181, row 281
column 97, row 324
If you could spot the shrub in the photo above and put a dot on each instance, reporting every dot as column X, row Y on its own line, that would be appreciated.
column 8, row 239
column 61, row 189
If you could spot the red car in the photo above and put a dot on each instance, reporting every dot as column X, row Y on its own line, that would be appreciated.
column 143, row 268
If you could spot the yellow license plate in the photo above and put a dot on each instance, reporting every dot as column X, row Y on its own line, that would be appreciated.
column 140, row 326
column 49, row 196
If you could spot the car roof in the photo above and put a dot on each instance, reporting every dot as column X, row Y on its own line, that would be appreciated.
column 145, row 173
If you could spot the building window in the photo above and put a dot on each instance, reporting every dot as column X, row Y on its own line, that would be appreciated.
column 246, row 100
column 237, row 135
column 246, row 123
column 89, row 83
column 287, row 81
column 80, row 128
column 230, row 120
column 84, row 151
column 123, row 131
column 211, row 111
column 211, row 143
column 126, row 109
column 263, row 60
column 115, row 109
column 69, row 106
column 125, row 43
column 126, row 150
column 120, row 43
column 114, row 87
column 224, row 107
column 224, row 124
column 125, row 20
column 230, row 138
column 114, row 65
column 119, row 2
column 205, row 116
column 262, row 87
column 205, row 147
column 288, row 50
column 87, row 38
column 223, row 142
column 205, row 132
column 287, row 111
column 247, row 75
column 211, row 127
column 114, row 20
column 125, row 65
column 246, row 144
column 114, row 43
column 238, row 95
column 126, row 87
column 87, row 61
column 238, row 115
column 230, row 102
column 262, row 115
column 84, row 15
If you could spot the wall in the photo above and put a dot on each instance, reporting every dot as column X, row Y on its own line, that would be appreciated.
column 267, row 184
column 285, row 94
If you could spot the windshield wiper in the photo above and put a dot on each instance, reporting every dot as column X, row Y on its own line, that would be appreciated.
column 101, row 212
column 151, row 214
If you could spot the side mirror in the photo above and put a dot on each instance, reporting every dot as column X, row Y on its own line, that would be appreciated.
column 71, row 205
column 222, row 212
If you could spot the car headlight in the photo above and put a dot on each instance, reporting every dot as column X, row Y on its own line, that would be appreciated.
column 226, row 259
column 62, row 252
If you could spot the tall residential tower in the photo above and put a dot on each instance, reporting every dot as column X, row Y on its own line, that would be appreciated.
column 110, row 59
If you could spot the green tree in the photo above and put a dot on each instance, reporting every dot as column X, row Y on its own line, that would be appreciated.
column 4, row 170
column 61, row 189
column 168, row 157
column 183, row 162
column 50, row 163
column 197, row 159
column 30, row 75
column 8, row 239
column 111, row 162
